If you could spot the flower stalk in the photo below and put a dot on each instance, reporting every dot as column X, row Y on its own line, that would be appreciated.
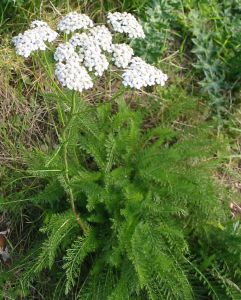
column 66, row 166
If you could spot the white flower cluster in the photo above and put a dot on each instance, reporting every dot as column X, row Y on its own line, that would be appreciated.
column 140, row 74
column 68, row 70
column 73, row 76
column 87, row 48
column 90, row 53
column 74, row 21
column 121, row 55
column 103, row 37
column 126, row 23
column 34, row 39
column 65, row 52
column 95, row 61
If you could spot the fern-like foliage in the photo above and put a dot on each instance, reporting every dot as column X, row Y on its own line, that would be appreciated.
column 76, row 255
column 154, row 227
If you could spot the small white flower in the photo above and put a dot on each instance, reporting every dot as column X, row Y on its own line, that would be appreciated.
column 125, row 23
column 96, row 62
column 74, row 21
column 122, row 55
column 73, row 76
column 102, row 36
column 33, row 39
column 90, row 53
column 43, row 31
column 81, row 40
column 140, row 74
column 65, row 52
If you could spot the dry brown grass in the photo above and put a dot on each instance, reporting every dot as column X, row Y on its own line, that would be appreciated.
column 24, row 116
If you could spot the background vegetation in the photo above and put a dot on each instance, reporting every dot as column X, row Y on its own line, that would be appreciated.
column 126, row 196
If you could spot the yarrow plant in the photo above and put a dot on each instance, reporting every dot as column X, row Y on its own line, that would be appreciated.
column 116, row 205
column 34, row 38
column 122, row 55
column 65, row 52
column 140, row 74
column 90, row 52
column 102, row 37
column 74, row 21
column 126, row 23
column 73, row 76
column 91, row 49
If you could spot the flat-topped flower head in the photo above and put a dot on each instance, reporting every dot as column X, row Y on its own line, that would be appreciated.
column 65, row 52
column 102, row 37
column 126, row 23
column 73, row 76
column 89, row 49
column 140, row 74
column 74, row 21
column 82, row 40
column 43, row 30
column 28, row 42
column 90, row 52
column 96, row 62
column 121, row 55
column 33, row 39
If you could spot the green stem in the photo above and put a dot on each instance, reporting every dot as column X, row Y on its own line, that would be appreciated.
column 68, row 6
column 65, row 141
column 70, row 191
column 66, row 164
column 57, row 88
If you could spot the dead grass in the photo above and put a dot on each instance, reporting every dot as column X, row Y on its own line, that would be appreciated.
column 24, row 116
